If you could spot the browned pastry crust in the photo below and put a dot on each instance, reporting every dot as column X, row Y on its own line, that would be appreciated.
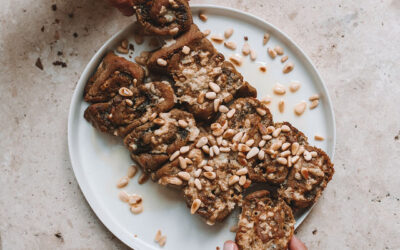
column 272, row 168
column 125, row 112
column 113, row 73
column 163, row 17
column 265, row 223
column 203, row 79
column 307, row 178
column 152, row 143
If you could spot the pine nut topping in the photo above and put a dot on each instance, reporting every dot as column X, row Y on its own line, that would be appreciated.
column 233, row 179
column 307, row 156
column 214, row 87
column 224, row 149
column 182, row 123
column 281, row 106
column 277, row 132
column 266, row 100
column 270, row 129
column 278, row 50
column 201, row 142
column 123, row 196
column 237, row 60
column 215, row 149
column 271, row 53
column 314, row 104
column 314, row 97
column 244, row 138
column 182, row 162
column 223, row 109
column 253, row 152
column 206, row 149
column 261, row 111
column 197, row 183
column 319, row 138
column 210, row 175
column 161, row 62
column 186, row 50
column 158, row 236
column 242, row 171
column 137, row 209
column 285, row 128
column 282, row 160
column 237, row 137
column 184, row 149
column 208, row 168
column 174, row 181
column 261, row 155
column 228, row 134
column 300, row 108
column 219, row 140
column 266, row 38
column 246, row 48
column 284, row 59
column 125, row 91
column 295, row 148
column 217, row 38
column 242, row 180
column 314, row 154
column 231, row 113
column 132, row 170
column 295, row 159
column 243, row 148
column 143, row 178
column 230, row 45
column 253, row 55
column 206, row 32
column 195, row 206
column 184, row 175
column 134, row 199
column 203, row 17
column 228, row 33
column 279, row 89
column 285, row 146
column 197, row 173
column 262, row 143
column 276, row 145
column 211, row 95
column 294, row 86
column 174, row 155
column 122, row 182
column 215, row 126
column 266, row 137
column 250, row 142
column 285, row 153
column 288, row 67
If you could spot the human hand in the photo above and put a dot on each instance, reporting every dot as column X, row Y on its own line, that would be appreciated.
column 294, row 244
column 125, row 6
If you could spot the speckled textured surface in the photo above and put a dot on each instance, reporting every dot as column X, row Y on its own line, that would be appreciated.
column 354, row 45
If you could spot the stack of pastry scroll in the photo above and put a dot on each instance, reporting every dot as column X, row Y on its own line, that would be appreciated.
column 204, row 133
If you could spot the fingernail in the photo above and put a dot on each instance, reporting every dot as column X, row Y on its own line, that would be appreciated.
column 230, row 245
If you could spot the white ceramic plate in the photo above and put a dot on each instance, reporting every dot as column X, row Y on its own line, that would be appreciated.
column 100, row 160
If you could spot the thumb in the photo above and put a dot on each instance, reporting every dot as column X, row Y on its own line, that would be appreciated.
column 230, row 245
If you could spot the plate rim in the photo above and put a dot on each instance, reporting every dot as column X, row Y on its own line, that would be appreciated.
column 76, row 99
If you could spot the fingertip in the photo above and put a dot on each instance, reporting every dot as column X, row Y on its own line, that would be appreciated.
column 296, row 244
column 230, row 245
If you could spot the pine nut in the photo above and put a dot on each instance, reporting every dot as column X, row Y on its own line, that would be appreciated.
column 174, row 181
column 129, row 102
column 206, row 149
column 270, row 129
column 137, row 209
column 231, row 113
column 300, row 108
column 174, row 31
column 288, row 67
column 215, row 126
column 295, row 148
column 282, row 160
column 285, row 128
column 266, row 100
column 266, row 137
column 224, row 149
column 230, row 45
column 279, row 89
column 125, row 91
column 278, row 50
column 314, row 97
column 237, row 137
column 261, row 111
column 132, row 170
column 195, row 206
column 262, row 143
column 182, row 162
column 249, row 142
column 158, row 236
column 210, row 175
column 201, row 142
column 261, row 155
column 217, row 38
column 246, row 48
column 214, row 87
column 161, row 62
column 200, row 98
column 263, row 130
column 253, row 152
column 266, row 38
column 143, row 178
column 244, row 138
column 295, row 159
column 237, row 60
column 206, row 32
column 228, row 33
column 188, row 161
column 276, row 145
column 211, row 95
column 242, row 180
column 203, row 17
column 184, row 175
column 253, row 55
column 294, row 86
column 186, row 50
column 174, row 155
column 162, row 241
column 122, row 50
column 215, row 149
column 263, row 69
column 228, row 133
column 233, row 179
column 271, row 53
column 284, row 59
column 314, row 104
column 300, row 151
column 182, row 123
column 123, row 196
column 219, row 140
column 285, row 153
column 242, row 171
column 314, row 154
column 281, row 106
column 197, row 183
column 304, row 172
column 277, row 132
column 319, row 138
column 223, row 109
column 289, row 161
column 285, row 146
column 122, row 182
column 134, row 199
column 208, row 168
column 184, row 149
column 243, row 148
column 307, row 156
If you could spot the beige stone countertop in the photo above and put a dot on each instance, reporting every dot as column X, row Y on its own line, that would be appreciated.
column 354, row 44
